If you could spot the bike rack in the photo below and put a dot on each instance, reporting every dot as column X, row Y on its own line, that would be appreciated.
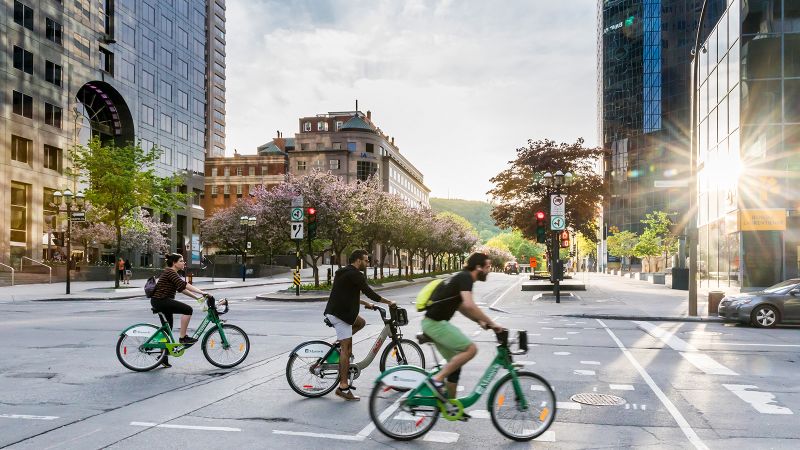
column 12, row 272
column 40, row 263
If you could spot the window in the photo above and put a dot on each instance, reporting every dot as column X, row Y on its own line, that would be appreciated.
column 148, row 14
column 219, row 127
column 53, row 157
column 148, row 115
column 301, row 165
column 166, row 156
column 365, row 169
column 166, row 123
column 166, row 58
column 23, row 60
column 199, row 107
column 128, row 35
column 183, row 7
column 339, row 124
column 82, row 46
column 351, row 146
column 226, row 189
column 218, row 151
column 218, row 80
column 23, row 105
column 227, row 171
column 148, row 81
column 183, row 161
column 214, row 190
column 146, row 145
column 183, row 68
column 199, row 137
column 23, row 15
column 127, row 71
column 370, row 147
column 219, row 116
column 149, row 47
column 53, row 31
column 52, row 73
column 238, row 171
column 307, row 126
column 49, row 212
column 52, row 115
column 239, row 189
column 252, row 171
column 322, row 126
column 83, row 7
column 337, row 145
column 106, row 61
column 199, row 49
column 183, row 99
column 264, row 170
column 19, row 212
column 183, row 38
column 333, row 164
column 21, row 149
column 319, row 146
column 183, row 130
column 199, row 78
column 166, row 26
column 165, row 90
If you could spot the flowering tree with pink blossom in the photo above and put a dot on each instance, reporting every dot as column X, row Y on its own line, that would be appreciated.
column 224, row 231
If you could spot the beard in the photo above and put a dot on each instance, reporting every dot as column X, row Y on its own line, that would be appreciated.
column 482, row 276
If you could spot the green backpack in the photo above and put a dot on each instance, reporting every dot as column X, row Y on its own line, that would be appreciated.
column 424, row 296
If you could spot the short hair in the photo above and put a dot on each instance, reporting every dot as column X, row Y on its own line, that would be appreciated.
column 173, row 258
column 475, row 260
column 356, row 255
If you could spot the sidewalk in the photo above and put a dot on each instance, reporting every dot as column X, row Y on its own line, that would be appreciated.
column 319, row 296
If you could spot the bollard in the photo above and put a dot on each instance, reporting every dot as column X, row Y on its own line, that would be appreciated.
column 190, row 277
column 329, row 275
column 714, row 297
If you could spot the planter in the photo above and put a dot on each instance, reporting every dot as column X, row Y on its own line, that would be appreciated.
column 658, row 278
column 644, row 276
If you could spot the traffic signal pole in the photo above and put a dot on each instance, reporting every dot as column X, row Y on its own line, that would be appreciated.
column 556, row 270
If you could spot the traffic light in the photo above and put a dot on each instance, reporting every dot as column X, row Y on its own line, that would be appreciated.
column 311, row 213
column 541, row 231
column 564, row 238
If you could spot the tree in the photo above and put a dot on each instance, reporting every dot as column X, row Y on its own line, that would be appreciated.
column 622, row 244
column 521, row 248
column 661, row 226
column 224, row 230
column 141, row 233
column 518, row 193
column 646, row 248
column 120, row 179
column 498, row 255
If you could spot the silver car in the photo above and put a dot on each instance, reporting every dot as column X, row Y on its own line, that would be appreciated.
column 764, row 309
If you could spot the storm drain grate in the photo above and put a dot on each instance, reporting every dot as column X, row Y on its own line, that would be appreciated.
column 598, row 399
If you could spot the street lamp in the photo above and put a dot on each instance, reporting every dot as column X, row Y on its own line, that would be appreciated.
column 247, row 222
column 554, row 183
column 69, row 203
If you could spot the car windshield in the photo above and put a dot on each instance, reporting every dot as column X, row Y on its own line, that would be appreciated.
column 782, row 286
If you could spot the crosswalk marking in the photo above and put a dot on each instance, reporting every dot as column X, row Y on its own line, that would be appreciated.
column 689, row 352
column 707, row 364
column 583, row 372
column 620, row 387
column 443, row 437
column 547, row 436
column 591, row 363
column 479, row 414
column 560, row 339
column 568, row 405
column 562, row 353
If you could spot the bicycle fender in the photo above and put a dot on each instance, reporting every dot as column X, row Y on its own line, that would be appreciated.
column 316, row 349
column 140, row 330
column 404, row 377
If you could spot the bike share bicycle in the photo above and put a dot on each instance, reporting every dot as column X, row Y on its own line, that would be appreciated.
column 404, row 405
column 144, row 346
column 313, row 366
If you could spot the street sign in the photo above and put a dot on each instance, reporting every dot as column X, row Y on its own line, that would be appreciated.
column 297, row 214
column 77, row 216
column 249, row 245
column 558, row 205
column 296, row 278
column 533, row 262
column 297, row 202
column 557, row 223
column 297, row 230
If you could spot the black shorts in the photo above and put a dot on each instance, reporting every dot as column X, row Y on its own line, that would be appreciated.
column 170, row 306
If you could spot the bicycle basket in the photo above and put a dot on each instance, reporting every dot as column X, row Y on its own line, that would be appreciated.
column 399, row 316
column 522, row 341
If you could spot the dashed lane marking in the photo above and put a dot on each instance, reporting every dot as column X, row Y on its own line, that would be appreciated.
column 443, row 437
column 562, row 353
column 621, row 387
column 479, row 414
column 573, row 332
column 547, row 328
column 560, row 339
column 687, row 429
column 27, row 417
column 583, row 372
column 183, row 427
column 338, row 437
column 547, row 436
column 568, row 405
column 761, row 401
column 591, row 363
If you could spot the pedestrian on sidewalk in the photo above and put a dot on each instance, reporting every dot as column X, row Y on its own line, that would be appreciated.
column 127, row 272
column 121, row 270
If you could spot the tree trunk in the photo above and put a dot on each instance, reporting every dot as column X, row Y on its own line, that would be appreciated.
column 117, row 251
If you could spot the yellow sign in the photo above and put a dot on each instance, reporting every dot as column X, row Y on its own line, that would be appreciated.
column 762, row 220
column 296, row 278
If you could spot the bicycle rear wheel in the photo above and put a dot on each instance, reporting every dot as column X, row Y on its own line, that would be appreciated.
column 392, row 418
column 133, row 357
column 232, row 355
column 525, row 417
column 305, row 374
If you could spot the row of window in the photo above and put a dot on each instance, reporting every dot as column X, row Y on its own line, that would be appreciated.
column 181, row 161
column 23, row 106
column 404, row 181
column 240, row 171
column 24, row 16
column 226, row 189
column 333, row 164
column 322, row 125
column 22, row 152
column 23, row 60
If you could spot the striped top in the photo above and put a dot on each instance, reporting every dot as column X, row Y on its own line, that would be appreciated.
column 168, row 284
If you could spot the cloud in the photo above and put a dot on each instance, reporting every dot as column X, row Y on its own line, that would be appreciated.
column 460, row 84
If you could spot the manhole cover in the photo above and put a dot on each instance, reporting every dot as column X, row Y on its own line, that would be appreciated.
column 598, row 399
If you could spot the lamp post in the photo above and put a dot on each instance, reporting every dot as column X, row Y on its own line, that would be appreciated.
column 691, row 234
column 554, row 183
column 247, row 222
column 68, row 203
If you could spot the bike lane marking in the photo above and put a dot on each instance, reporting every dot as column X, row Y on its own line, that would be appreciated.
column 687, row 429
column 340, row 437
column 183, row 427
column 27, row 417
column 689, row 352
column 761, row 401
column 493, row 306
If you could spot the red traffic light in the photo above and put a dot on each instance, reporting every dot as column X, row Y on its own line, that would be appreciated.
column 540, row 215
column 311, row 211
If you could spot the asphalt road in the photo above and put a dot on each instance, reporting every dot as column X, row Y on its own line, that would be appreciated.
column 684, row 385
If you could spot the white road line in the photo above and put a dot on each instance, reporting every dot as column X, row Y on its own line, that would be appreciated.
column 182, row 427
column 687, row 429
column 573, row 332
column 591, row 363
column 754, row 345
column 339, row 437
column 620, row 387
column 27, row 417
column 560, row 339
column 547, row 436
column 583, row 372
column 504, row 293
column 562, row 353
column 443, row 437
column 479, row 414
column 761, row 401
column 689, row 352
column 547, row 328
column 568, row 405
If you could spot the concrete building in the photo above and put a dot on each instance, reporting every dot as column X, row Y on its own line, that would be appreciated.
column 125, row 70
column 748, row 212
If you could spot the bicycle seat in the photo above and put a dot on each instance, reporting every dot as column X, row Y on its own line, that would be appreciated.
column 423, row 338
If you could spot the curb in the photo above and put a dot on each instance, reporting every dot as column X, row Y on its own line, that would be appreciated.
column 650, row 318
column 311, row 298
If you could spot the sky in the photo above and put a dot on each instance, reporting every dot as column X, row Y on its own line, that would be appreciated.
column 460, row 84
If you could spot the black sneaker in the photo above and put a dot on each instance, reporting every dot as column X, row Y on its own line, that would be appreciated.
column 187, row 340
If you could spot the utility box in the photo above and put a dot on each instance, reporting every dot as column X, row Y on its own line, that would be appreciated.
column 714, row 297
column 680, row 278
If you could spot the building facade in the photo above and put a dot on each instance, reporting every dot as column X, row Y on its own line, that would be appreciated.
column 748, row 132
column 644, row 111
column 125, row 70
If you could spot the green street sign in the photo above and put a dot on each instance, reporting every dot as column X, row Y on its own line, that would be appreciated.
column 557, row 223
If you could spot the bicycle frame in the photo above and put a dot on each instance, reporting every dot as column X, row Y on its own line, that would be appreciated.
column 163, row 338
column 389, row 330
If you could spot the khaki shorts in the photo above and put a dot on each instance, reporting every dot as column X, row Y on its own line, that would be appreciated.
column 449, row 340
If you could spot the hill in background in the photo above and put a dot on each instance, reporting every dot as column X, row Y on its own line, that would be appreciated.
column 476, row 212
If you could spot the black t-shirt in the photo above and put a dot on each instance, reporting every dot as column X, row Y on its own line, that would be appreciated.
column 446, row 297
column 348, row 285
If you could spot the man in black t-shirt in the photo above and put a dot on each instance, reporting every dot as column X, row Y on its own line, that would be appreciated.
column 453, row 295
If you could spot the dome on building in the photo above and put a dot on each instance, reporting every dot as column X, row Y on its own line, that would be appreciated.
column 357, row 123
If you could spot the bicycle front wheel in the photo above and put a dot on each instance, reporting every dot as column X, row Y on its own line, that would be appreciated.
column 525, row 414
column 411, row 355
column 131, row 354
column 396, row 420
column 226, row 356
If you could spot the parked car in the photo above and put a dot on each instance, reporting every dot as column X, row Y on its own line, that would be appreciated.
column 764, row 309
column 511, row 267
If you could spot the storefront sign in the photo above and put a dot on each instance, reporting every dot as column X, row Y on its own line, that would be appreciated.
column 762, row 220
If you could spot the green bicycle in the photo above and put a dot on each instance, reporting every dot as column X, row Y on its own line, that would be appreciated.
column 404, row 405
column 144, row 346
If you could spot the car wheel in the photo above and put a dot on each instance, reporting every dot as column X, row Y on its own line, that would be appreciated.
column 764, row 316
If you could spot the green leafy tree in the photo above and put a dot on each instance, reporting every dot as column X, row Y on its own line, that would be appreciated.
column 648, row 246
column 120, row 179
column 661, row 226
column 522, row 249
column 622, row 244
